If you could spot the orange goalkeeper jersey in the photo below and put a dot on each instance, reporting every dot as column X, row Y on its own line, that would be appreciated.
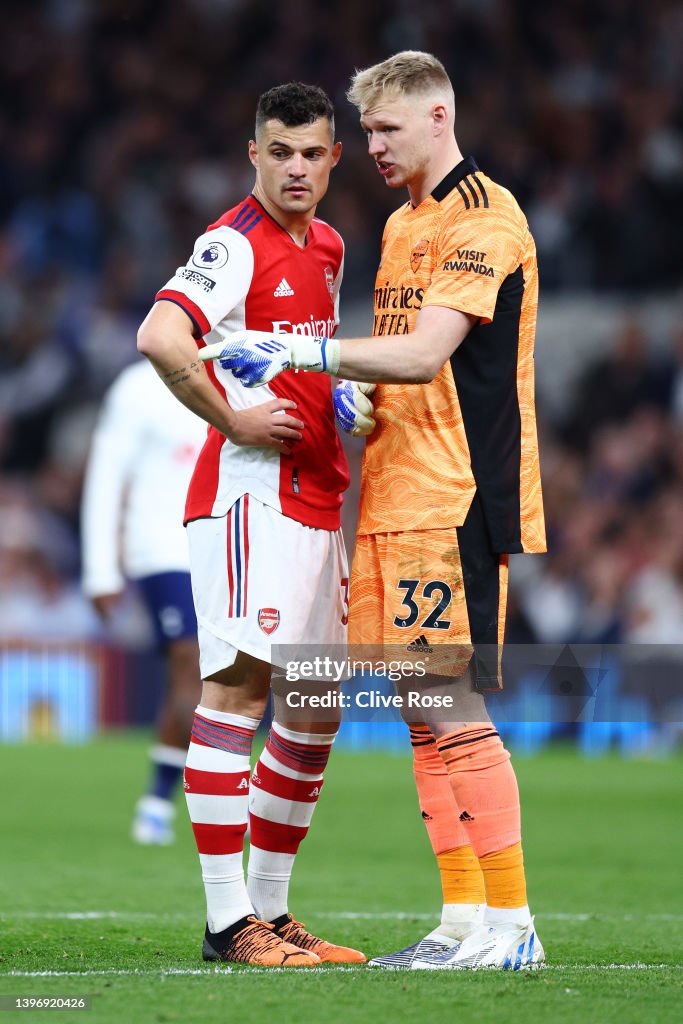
column 467, row 246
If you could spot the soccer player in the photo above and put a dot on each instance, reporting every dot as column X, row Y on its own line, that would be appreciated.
column 262, row 514
column 450, row 482
column 143, row 451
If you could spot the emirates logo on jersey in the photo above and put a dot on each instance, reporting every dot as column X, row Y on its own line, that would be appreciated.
column 418, row 254
column 268, row 620
column 329, row 280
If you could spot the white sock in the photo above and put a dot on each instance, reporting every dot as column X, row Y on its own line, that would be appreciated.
column 268, row 887
column 283, row 793
column 216, row 790
column 499, row 917
column 458, row 920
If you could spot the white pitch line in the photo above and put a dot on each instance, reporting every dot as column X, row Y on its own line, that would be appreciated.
column 340, row 915
column 337, row 969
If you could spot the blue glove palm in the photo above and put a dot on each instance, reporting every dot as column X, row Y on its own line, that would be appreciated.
column 352, row 409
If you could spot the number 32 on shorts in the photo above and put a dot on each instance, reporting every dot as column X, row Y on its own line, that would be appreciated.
column 434, row 590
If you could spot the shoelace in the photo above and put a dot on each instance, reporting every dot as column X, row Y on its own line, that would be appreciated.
column 296, row 933
column 261, row 938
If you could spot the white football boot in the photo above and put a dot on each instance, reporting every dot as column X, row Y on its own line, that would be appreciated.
column 153, row 821
column 457, row 922
column 510, row 947
column 433, row 946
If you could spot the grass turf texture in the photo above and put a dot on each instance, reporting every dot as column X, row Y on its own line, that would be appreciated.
column 602, row 839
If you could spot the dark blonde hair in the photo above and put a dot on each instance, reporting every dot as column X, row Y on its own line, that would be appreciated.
column 408, row 73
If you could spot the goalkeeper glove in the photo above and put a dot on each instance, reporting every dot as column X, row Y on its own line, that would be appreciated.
column 256, row 357
column 352, row 409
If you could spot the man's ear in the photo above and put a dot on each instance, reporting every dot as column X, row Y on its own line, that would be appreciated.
column 440, row 118
column 253, row 152
column 336, row 153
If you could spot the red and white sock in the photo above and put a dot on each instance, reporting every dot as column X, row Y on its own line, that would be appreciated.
column 284, row 790
column 217, row 794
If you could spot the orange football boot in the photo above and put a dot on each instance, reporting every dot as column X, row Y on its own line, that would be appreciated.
column 295, row 932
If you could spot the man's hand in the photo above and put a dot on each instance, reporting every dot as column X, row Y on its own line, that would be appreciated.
column 104, row 604
column 352, row 409
column 256, row 357
column 269, row 425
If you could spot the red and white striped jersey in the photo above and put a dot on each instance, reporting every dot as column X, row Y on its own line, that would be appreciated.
column 247, row 272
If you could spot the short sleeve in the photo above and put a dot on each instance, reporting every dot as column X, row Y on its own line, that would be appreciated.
column 214, row 280
column 475, row 254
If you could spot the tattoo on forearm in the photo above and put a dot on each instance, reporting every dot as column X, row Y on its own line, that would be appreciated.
column 175, row 377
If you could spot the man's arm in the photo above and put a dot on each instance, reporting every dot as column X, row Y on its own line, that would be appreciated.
column 115, row 441
column 166, row 338
column 257, row 357
column 407, row 358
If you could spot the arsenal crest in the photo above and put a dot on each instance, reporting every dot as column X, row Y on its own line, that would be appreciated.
column 418, row 254
column 329, row 280
column 268, row 620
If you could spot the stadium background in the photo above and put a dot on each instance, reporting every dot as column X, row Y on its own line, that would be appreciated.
column 123, row 131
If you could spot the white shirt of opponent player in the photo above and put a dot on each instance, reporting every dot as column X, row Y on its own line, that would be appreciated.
column 143, row 452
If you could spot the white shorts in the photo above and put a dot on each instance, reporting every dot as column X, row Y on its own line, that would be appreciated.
column 260, row 579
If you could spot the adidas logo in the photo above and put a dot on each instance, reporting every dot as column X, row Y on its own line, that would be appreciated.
column 283, row 289
column 243, row 784
column 420, row 645
column 466, row 817
column 426, row 817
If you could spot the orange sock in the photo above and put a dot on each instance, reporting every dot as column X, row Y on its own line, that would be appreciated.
column 485, row 787
column 462, row 880
column 461, row 877
column 504, row 875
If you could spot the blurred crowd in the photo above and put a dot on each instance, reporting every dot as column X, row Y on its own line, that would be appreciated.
column 124, row 130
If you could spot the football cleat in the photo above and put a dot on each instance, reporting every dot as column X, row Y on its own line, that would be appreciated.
column 152, row 824
column 429, row 950
column 509, row 948
column 295, row 932
column 250, row 941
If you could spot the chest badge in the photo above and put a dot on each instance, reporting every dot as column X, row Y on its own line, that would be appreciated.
column 418, row 254
column 329, row 281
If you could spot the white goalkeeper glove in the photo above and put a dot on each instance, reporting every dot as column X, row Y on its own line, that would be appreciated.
column 352, row 409
column 256, row 357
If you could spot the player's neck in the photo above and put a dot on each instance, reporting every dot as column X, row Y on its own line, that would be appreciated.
column 442, row 165
column 295, row 224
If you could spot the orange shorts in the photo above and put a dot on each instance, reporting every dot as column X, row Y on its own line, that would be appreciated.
column 425, row 589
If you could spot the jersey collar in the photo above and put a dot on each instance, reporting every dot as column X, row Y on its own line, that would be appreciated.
column 447, row 184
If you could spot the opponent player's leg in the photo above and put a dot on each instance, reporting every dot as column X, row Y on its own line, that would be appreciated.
column 288, row 778
column 168, row 597
column 233, row 699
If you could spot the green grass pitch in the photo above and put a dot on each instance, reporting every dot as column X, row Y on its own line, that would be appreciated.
column 102, row 917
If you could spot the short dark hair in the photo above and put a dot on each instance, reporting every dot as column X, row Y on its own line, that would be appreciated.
column 294, row 104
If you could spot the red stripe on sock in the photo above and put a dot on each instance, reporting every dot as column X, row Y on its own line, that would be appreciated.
column 301, row 757
column 304, row 791
column 272, row 836
column 228, row 727
column 219, row 839
column 216, row 783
